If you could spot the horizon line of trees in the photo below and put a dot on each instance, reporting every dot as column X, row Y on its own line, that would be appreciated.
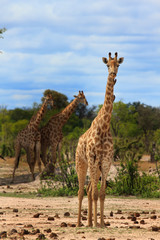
column 133, row 125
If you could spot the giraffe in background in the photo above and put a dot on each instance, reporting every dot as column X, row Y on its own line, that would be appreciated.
column 95, row 149
column 29, row 139
column 51, row 133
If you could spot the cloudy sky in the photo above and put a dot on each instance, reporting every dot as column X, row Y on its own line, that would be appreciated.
column 59, row 45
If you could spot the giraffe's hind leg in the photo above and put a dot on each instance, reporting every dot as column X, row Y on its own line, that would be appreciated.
column 43, row 153
column 31, row 160
column 89, row 194
column 90, row 199
column 81, row 172
column 37, row 155
column 104, row 171
column 94, row 164
column 17, row 158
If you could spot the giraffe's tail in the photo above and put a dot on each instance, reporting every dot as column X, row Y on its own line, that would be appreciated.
column 2, row 157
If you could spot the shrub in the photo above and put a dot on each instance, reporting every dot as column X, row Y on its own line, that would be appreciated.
column 64, row 182
column 129, row 182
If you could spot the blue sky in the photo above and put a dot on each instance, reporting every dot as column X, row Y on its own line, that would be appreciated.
column 59, row 45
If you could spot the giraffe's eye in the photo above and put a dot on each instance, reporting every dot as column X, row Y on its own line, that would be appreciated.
column 107, row 65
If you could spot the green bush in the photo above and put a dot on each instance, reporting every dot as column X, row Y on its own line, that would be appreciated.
column 129, row 182
column 64, row 182
column 126, row 180
column 57, row 191
column 148, row 186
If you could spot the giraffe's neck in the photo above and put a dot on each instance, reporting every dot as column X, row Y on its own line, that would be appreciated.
column 108, row 101
column 35, row 120
column 67, row 112
column 104, row 116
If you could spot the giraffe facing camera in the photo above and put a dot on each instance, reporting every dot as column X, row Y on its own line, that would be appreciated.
column 95, row 150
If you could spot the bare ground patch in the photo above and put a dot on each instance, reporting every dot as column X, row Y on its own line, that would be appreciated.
column 55, row 218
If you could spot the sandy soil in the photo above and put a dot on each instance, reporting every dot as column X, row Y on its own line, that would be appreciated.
column 55, row 218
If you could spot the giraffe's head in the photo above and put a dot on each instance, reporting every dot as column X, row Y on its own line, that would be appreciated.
column 49, row 100
column 81, row 97
column 113, row 64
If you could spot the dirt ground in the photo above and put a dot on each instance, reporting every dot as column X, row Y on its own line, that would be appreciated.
column 55, row 218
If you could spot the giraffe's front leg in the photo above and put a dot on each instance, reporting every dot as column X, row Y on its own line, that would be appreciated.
column 94, row 175
column 53, row 154
column 104, row 171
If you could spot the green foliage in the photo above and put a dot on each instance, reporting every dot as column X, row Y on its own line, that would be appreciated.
column 145, row 186
column 129, row 182
column 13, row 121
column 60, row 100
column 20, row 114
column 62, row 183
column 135, row 128
column 56, row 191
column 127, row 177
column 18, row 126
column 67, row 174
column 124, row 121
column 7, row 150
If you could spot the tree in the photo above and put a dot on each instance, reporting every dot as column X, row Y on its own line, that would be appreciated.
column 124, row 120
column 60, row 100
column 148, row 120
column 20, row 114
column 82, row 111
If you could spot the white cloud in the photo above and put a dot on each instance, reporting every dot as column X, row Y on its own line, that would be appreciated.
column 59, row 45
column 21, row 97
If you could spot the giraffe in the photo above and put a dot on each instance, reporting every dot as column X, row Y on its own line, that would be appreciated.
column 95, row 150
column 29, row 139
column 51, row 133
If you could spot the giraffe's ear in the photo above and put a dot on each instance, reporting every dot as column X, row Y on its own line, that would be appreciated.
column 120, row 60
column 74, row 96
column 105, row 60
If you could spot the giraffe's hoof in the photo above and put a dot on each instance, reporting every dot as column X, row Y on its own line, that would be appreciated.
column 80, row 224
column 90, row 225
column 102, row 225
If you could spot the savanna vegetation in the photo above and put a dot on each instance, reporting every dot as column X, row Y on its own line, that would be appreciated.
column 136, row 131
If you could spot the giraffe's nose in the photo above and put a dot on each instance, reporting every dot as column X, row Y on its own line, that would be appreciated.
column 113, row 73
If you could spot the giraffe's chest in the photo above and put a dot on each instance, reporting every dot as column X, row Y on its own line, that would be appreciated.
column 29, row 135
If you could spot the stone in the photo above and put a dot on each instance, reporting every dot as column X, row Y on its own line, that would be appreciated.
column 63, row 224
column 53, row 235
column 50, row 218
column 66, row 214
